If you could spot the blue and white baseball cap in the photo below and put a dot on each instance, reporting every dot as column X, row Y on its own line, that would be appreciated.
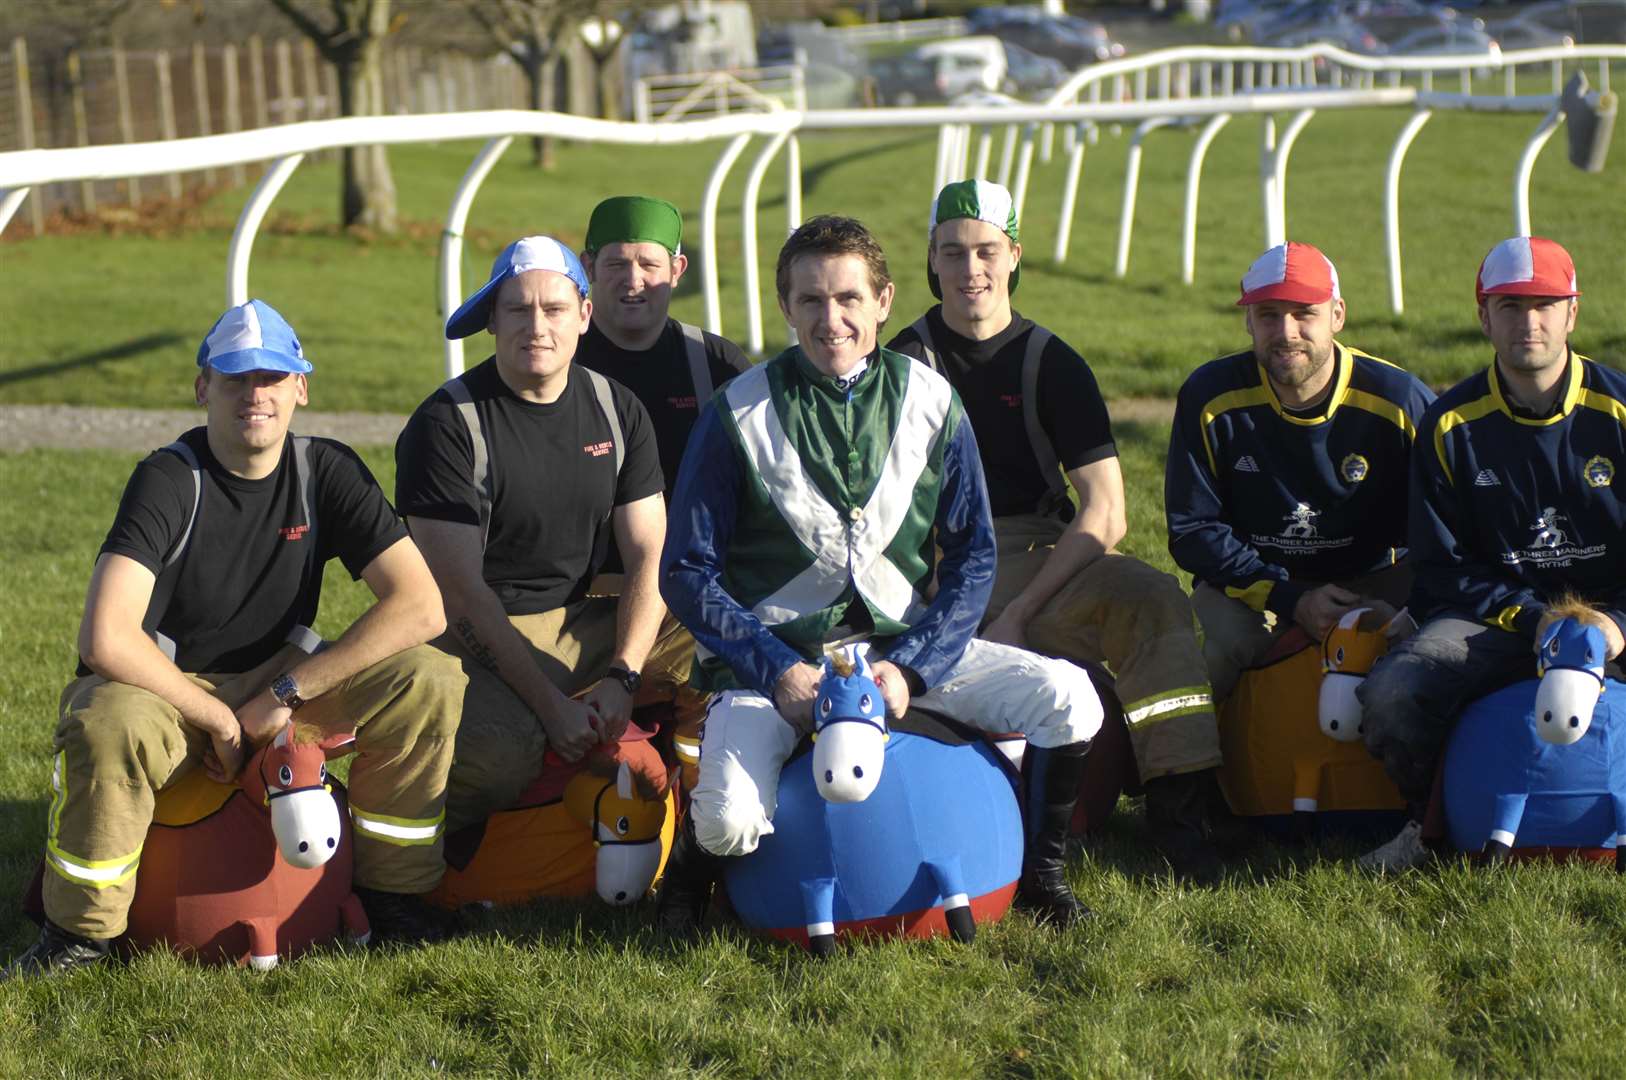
column 252, row 337
column 526, row 253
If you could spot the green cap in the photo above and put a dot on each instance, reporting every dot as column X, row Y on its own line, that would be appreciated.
column 983, row 200
column 635, row 219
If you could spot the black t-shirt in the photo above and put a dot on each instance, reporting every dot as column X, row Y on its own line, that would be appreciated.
column 250, row 572
column 988, row 377
column 659, row 377
column 553, row 481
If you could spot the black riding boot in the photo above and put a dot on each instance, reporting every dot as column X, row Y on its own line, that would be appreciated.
column 1177, row 814
column 691, row 871
column 1051, row 779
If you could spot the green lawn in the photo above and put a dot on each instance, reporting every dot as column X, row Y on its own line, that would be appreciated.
column 1299, row 966
column 92, row 320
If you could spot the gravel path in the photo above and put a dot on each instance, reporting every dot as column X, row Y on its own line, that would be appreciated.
column 76, row 427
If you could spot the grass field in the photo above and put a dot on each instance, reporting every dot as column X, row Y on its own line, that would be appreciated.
column 1298, row 966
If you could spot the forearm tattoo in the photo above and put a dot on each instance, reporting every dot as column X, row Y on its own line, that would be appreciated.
column 477, row 648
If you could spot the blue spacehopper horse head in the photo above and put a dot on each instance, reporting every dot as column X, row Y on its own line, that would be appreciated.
column 1570, row 659
column 849, row 733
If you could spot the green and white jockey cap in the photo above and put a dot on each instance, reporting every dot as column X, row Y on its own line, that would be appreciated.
column 983, row 200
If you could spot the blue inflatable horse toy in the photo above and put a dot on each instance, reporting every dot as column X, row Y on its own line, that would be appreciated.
column 929, row 845
column 1569, row 661
column 1542, row 765
column 849, row 735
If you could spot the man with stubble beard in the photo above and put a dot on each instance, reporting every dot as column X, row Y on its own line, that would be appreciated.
column 1286, row 480
column 1513, row 511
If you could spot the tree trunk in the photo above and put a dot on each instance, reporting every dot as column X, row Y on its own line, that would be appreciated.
column 366, row 188
column 537, row 70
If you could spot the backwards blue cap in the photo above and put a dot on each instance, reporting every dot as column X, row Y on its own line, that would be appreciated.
column 527, row 253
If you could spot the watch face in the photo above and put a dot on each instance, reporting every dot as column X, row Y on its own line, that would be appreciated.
column 285, row 690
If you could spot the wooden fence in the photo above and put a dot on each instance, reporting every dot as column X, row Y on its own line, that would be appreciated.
column 115, row 95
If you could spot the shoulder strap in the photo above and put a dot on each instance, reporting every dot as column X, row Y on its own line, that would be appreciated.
column 459, row 393
column 606, row 404
column 302, row 475
column 1043, row 451
column 694, row 347
column 163, row 590
column 924, row 332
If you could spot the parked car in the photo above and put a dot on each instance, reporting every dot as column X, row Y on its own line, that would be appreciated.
column 1074, row 41
column 1347, row 35
column 1028, row 73
column 905, row 79
column 1515, row 35
column 1587, row 22
column 1445, row 41
column 966, row 64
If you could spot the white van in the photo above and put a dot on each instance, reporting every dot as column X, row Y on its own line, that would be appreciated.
column 966, row 64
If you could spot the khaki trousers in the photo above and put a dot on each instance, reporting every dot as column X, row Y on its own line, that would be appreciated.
column 117, row 746
column 1135, row 619
column 1236, row 637
column 500, row 742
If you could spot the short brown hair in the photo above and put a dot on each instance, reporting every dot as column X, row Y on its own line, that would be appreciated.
column 827, row 235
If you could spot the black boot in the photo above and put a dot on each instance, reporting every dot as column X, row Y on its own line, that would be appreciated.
column 691, row 871
column 57, row 952
column 1051, row 779
column 405, row 919
column 1177, row 814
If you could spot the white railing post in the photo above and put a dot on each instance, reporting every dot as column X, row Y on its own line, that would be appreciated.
column 1283, row 150
column 1007, row 155
column 985, row 148
column 940, row 170
column 1024, row 166
column 1527, row 164
column 1126, row 218
column 708, row 231
column 1391, row 204
column 248, row 223
column 748, row 222
column 793, row 185
column 10, row 200
column 1069, row 198
column 1274, row 229
column 1194, row 176
column 451, row 243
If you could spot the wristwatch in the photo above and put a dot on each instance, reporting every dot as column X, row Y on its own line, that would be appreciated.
column 285, row 690
column 630, row 680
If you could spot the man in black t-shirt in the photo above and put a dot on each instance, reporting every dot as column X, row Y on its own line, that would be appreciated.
column 1061, row 588
column 214, row 565
column 512, row 478
column 634, row 259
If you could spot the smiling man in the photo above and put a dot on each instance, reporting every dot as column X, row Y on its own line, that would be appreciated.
column 214, row 565
column 1285, row 486
column 512, row 477
column 1061, row 587
column 813, row 495
column 1513, row 507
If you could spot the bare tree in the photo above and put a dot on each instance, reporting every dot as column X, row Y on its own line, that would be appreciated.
column 534, row 33
column 351, row 37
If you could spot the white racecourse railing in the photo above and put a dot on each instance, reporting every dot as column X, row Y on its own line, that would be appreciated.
column 1228, row 83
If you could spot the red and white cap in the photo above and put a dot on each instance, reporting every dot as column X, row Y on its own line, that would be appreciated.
column 1291, row 271
column 1527, row 266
